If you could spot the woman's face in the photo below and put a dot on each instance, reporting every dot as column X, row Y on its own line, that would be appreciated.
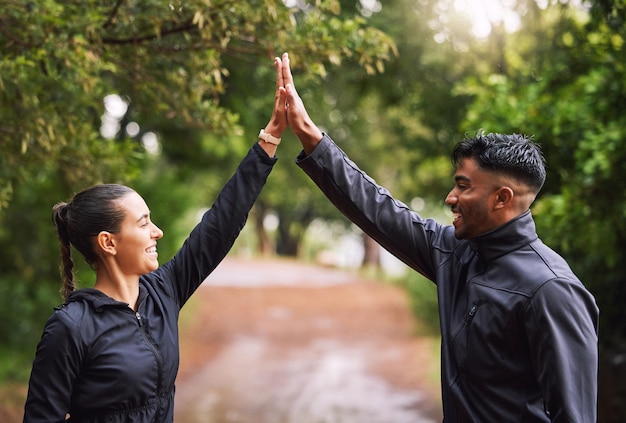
column 137, row 238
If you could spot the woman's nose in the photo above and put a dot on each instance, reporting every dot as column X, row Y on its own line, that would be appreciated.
column 156, row 232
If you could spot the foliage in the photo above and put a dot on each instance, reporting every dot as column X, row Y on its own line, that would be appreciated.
column 60, row 59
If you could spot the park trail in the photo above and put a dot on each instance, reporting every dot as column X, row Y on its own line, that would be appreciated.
column 280, row 341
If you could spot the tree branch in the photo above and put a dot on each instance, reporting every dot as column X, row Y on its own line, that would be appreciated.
column 113, row 13
column 140, row 39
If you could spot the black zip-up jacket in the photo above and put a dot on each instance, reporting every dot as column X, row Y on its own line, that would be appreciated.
column 518, row 329
column 100, row 361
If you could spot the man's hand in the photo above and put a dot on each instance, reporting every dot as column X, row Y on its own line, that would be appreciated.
column 297, row 116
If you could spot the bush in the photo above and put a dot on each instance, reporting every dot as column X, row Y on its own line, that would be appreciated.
column 423, row 297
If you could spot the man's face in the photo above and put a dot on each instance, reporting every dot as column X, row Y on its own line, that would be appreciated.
column 472, row 200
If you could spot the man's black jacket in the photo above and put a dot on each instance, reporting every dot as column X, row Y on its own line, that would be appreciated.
column 519, row 330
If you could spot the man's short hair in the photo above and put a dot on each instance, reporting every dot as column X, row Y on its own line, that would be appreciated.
column 513, row 155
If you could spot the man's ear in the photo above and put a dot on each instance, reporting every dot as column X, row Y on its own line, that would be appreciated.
column 106, row 243
column 504, row 197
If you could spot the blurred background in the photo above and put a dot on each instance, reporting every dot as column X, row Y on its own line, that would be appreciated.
column 167, row 97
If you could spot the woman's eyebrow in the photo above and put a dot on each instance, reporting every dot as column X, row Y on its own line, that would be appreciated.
column 143, row 216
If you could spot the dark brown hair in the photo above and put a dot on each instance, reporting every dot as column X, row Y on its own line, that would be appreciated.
column 88, row 213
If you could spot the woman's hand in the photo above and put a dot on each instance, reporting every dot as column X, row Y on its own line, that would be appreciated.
column 278, row 121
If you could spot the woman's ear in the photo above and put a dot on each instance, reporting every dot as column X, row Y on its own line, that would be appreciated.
column 106, row 243
column 504, row 197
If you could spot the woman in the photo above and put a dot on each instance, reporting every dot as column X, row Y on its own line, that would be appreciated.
column 110, row 353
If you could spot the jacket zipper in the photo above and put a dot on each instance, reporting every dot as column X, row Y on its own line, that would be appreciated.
column 469, row 316
column 157, row 356
column 468, row 325
column 471, row 313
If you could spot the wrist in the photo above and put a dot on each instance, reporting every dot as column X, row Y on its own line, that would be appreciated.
column 269, row 137
column 309, row 135
column 273, row 129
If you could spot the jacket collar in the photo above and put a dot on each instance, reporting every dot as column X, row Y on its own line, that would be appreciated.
column 98, row 300
column 506, row 238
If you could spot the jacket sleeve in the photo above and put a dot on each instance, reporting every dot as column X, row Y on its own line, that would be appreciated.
column 55, row 368
column 213, row 237
column 371, row 207
column 563, row 332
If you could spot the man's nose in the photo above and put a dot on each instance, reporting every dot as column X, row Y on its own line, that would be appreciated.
column 451, row 198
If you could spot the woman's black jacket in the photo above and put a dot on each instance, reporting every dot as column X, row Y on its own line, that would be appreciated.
column 100, row 361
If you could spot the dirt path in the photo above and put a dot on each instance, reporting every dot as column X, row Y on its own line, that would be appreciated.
column 272, row 341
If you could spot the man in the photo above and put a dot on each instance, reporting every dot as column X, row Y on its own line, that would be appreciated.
column 519, row 330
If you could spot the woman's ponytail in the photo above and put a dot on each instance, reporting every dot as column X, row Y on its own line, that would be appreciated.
column 59, row 215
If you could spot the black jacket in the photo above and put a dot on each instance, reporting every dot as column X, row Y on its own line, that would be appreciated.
column 100, row 361
column 519, row 330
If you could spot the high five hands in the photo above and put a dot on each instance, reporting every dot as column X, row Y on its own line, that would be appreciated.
column 289, row 111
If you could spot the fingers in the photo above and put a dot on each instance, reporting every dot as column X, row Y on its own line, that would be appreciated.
column 282, row 102
column 278, row 64
column 288, row 107
column 286, row 69
column 278, row 120
column 291, row 97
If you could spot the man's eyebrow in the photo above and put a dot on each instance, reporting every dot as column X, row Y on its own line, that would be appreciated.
column 461, row 178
